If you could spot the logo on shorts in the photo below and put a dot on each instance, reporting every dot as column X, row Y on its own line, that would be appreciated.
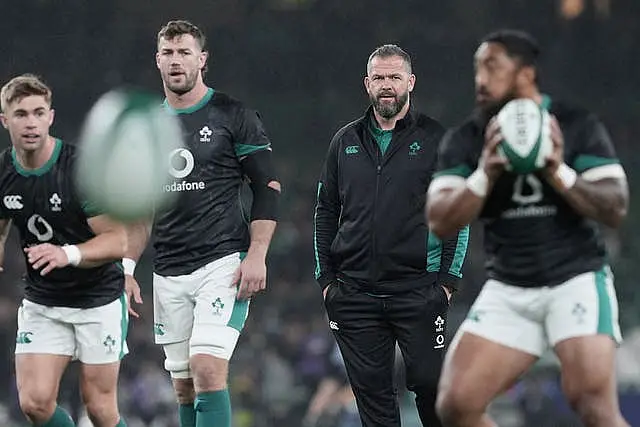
column 109, row 344
column 23, row 338
column 439, row 322
column 578, row 312
column 218, row 305
column 158, row 329
column 333, row 325
column 474, row 315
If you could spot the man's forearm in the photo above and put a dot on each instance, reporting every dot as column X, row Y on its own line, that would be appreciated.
column 454, row 252
column 261, row 234
column 325, row 225
column 105, row 247
column 5, row 227
column 448, row 210
column 605, row 201
column 137, row 235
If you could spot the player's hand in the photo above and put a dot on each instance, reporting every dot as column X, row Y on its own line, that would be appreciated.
column 492, row 162
column 251, row 276
column 325, row 290
column 47, row 257
column 1, row 258
column 132, row 289
column 447, row 292
column 556, row 158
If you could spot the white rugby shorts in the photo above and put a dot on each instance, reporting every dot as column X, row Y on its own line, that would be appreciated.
column 92, row 335
column 534, row 319
column 200, row 308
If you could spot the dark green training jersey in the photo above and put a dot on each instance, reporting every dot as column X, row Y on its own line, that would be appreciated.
column 208, row 222
column 46, row 208
column 533, row 238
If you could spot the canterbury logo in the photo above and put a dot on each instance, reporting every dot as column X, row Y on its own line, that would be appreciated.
column 13, row 202
column 351, row 149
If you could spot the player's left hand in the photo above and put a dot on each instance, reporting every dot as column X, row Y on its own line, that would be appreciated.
column 132, row 289
column 447, row 292
column 556, row 158
column 47, row 257
column 251, row 276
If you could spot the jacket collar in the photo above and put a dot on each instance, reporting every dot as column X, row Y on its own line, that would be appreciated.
column 371, row 122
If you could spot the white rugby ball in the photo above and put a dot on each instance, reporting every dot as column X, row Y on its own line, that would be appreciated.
column 526, row 133
column 124, row 150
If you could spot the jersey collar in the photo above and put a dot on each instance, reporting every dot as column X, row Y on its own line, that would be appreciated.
column 205, row 99
column 42, row 169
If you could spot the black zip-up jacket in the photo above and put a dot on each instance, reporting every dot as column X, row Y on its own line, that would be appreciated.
column 369, row 223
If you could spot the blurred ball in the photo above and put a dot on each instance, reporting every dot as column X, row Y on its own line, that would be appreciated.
column 125, row 145
column 526, row 133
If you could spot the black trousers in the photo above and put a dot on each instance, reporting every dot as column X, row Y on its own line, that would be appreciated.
column 367, row 328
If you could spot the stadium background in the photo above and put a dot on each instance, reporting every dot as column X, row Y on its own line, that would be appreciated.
column 300, row 63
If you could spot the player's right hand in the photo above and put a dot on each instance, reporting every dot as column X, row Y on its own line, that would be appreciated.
column 490, row 160
column 46, row 256
column 132, row 289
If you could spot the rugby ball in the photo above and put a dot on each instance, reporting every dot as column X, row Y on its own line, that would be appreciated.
column 124, row 149
column 526, row 133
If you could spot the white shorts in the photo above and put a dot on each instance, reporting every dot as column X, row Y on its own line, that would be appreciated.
column 92, row 335
column 200, row 309
column 534, row 319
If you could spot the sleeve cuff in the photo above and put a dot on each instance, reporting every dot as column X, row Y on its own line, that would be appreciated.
column 325, row 280
column 448, row 280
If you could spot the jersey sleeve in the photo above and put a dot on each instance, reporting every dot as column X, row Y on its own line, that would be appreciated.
column 454, row 164
column 596, row 158
column 453, row 157
column 91, row 209
column 250, row 136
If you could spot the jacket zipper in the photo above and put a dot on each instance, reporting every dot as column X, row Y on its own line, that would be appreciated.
column 374, row 249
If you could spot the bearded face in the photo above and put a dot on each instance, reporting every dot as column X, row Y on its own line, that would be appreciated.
column 388, row 83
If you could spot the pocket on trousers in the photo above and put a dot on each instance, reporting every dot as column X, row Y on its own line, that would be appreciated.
column 332, row 291
column 442, row 295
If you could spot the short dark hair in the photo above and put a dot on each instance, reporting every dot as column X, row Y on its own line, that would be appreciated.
column 518, row 44
column 21, row 87
column 388, row 50
column 180, row 27
column 177, row 28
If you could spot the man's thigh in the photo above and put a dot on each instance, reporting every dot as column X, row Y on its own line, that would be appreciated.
column 510, row 316
column 173, row 307
column 43, row 330
column 367, row 344
column 99, row 381
column 586, row 305
column 38, row 376
column 219, row 316
column 101, row 332
column 419, row 320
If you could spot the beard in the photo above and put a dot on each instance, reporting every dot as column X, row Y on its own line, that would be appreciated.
column 488, row 109
column 388, row 110
column 180, row 88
